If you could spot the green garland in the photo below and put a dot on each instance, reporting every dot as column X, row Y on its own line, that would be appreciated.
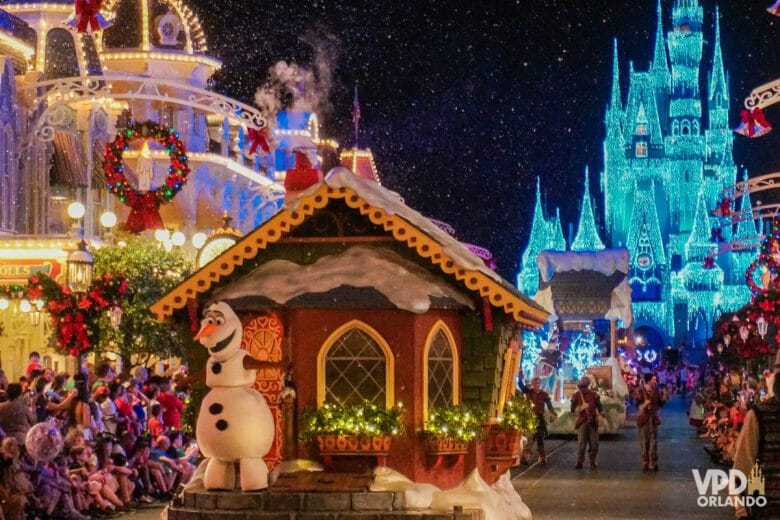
column 519, row 414
column 459, row 422
column 365, row 420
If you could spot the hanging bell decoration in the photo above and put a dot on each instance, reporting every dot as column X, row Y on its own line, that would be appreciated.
column 753, row 123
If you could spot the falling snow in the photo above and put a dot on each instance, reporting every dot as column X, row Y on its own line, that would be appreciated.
column 464, row 104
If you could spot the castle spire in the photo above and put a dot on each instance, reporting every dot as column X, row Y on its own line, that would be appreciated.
column 660, row 69
column 528, row 278
column 746, row 228
column 587, row 238
column 557, row 241
column 698, row 245
column 719, row 93
column 615, row 104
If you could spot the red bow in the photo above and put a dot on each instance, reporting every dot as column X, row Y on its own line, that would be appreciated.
column 144, row 213
column 754, row 124
column 709, row 262
column 86, row 14
column 258, row 138
column 723, row 209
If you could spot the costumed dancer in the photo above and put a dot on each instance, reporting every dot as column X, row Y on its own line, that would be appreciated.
column 649, row 400
column 586, row 404
column 547, row 367
column 234, row 423
column 540, row 399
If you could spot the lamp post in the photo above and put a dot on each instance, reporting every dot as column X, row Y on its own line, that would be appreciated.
column 79, row 264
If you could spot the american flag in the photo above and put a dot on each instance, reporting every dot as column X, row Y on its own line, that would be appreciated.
column 356, row 108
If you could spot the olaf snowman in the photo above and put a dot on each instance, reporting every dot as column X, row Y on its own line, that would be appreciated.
column 234, row 423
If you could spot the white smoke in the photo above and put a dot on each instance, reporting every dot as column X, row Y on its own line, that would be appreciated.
column 302, row 88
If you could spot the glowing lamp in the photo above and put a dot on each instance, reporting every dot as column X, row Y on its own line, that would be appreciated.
column 108, row 220
column 762, row 325
column 727, row 339
column 743, row 332
column 80, row 269
column 199, row 240
column 4, row 304
column 76, row 210
column 178, row 239
column 25, row 305
column 162, row 235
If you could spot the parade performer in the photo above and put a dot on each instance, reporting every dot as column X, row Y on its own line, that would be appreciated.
column 234, row 423
column 586, row 404
column 539, row 398
column 547, row 368
column 649, row 400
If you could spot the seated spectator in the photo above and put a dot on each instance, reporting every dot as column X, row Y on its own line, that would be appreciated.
column 15, row 417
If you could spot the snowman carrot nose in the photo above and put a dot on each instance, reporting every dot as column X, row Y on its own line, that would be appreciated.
column 206, row 331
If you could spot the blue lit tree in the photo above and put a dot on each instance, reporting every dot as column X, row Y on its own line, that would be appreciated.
column 584, row 352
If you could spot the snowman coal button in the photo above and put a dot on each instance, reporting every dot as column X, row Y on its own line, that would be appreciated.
column 216, row 368
column 222, row 425
column 215, row 409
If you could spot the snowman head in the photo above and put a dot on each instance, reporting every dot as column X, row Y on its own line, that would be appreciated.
column 220, row 331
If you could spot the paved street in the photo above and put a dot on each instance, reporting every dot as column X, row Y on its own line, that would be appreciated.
column 619, row 489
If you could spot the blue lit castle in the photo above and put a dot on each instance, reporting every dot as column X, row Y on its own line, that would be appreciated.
column 667, row 156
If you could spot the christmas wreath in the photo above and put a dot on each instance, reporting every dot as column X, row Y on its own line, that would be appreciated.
column 145, row 204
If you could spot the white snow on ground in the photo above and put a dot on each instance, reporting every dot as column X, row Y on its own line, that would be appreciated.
column 407, row 285
column 293, row 466
column 499, row 502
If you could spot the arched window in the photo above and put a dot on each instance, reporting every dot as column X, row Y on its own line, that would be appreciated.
column 675, row 127
column 61, row 59
column 696, row 128
column 354, row 365
column 685, row 127
column 442, row 370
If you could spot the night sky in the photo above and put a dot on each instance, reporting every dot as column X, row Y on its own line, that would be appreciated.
column 464, row 104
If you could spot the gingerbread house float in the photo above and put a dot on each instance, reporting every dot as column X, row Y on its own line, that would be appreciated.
column 368, row 300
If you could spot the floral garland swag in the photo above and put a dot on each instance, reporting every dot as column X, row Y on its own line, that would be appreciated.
column 76, row 317
column 145, row 204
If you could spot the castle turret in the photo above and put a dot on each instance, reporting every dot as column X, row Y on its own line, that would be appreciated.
column 528, row 278
column 719, row 89
column 698, row 246
column 587, row 238
column 660, row 69
column 557, row 240
column 685, row 49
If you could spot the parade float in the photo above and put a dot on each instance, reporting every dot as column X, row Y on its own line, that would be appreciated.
column 589, row 298
column 381, row 317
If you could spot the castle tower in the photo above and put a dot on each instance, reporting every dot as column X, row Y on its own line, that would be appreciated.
column 558, row 241
column 587, row 238
column 528, row 278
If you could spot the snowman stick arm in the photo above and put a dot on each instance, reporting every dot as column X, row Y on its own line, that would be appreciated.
column 251, row 363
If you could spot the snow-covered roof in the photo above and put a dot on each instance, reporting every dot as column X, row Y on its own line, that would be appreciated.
column 383, row 208
column 406, row 284
column 586, row 285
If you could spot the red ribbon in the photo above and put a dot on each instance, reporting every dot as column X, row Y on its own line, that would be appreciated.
column 144, row 213
column 709, row 262
column 86, row 13
column 258, row 138
column 752, row 119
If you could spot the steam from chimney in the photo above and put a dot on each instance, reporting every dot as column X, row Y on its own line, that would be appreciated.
column 301, row 88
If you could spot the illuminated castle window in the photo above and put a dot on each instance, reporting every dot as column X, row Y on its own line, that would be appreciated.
column 441, row 363
column 675, row 127
column 356, row 365
column 641, row 149
column 685, row 127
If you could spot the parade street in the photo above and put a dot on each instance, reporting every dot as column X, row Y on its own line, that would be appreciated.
column 619, row 489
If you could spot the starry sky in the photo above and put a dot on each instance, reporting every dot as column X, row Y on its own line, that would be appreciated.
column 464, row 104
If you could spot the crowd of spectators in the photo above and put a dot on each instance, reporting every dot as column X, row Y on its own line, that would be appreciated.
column 719, row 406
column 123, row 442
